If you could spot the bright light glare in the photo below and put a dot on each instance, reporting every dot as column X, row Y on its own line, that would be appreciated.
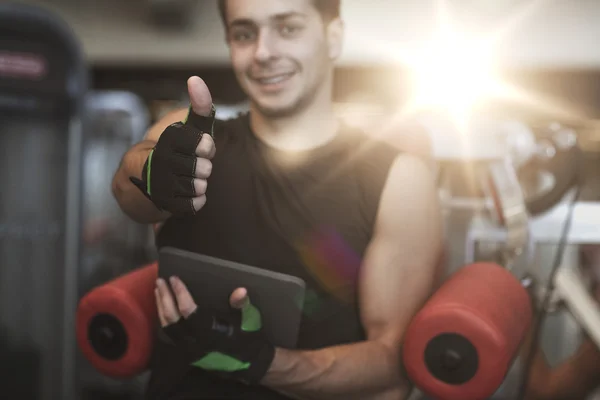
column 453, row 73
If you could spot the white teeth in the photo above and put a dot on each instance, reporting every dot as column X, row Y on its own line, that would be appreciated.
column 274, row 80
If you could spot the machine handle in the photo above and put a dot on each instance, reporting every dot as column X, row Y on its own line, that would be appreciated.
column 564, row 166
column 572, row 291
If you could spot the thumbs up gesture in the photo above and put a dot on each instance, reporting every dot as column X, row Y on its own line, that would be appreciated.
column 175, row 174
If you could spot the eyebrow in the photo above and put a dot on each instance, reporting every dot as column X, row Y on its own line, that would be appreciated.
column 276, row 17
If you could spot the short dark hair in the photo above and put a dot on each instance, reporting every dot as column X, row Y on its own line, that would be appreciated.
column 329, row 9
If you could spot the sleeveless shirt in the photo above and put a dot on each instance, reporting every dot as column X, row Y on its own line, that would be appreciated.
column 309, row 214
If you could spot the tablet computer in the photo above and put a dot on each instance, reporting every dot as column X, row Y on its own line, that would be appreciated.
column 210, row 281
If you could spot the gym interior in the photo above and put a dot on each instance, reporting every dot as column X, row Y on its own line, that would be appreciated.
column 511, row 125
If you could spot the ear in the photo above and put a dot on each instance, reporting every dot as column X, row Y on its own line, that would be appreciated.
column 335, row 38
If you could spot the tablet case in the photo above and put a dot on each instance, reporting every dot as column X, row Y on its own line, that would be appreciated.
column 211, row 281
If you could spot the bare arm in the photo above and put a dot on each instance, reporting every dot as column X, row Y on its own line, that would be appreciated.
column 398, row 275
column 130, row 199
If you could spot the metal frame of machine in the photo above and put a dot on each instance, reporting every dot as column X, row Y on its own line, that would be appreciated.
column 570, row 288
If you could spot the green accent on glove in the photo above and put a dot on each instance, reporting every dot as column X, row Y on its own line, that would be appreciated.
column 190, row 110
column 216, row 361
column 148, row 189
column 251, row 319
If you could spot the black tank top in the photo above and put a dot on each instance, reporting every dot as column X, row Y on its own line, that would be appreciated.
column 308, row 214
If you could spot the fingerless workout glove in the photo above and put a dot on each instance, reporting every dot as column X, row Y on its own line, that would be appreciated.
column 168, row 173
column 234, row 347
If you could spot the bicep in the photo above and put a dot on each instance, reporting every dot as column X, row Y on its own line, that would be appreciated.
column 401, row 265
column 153, row 134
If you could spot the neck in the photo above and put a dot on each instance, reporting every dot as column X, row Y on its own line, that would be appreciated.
column 311, row 127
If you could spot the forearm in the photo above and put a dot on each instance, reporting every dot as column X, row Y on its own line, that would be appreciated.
column 366, row 370
column 131, row 200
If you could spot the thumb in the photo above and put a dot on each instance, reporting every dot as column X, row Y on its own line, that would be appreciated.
column 239, row 298
column 200, row 98
column 251, row 318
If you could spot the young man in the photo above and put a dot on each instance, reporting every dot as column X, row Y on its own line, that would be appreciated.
column 290, row 189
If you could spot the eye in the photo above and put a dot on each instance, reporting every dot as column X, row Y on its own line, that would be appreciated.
column 242, row 36
column 289, row 30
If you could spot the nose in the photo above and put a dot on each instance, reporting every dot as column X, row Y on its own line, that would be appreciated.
column 265, row 47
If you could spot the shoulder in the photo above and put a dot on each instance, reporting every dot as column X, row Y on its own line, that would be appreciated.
column 411, row 168
column 401, row 137
column 369, row 161
column 393, row 162
column 370, row 144
column 372, row 160
column 410, row 187
column 409, row 173
column 371, row 157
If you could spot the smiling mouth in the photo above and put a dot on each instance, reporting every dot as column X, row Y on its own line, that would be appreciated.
column 271, row 80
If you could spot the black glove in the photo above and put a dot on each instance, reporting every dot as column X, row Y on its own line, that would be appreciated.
column 233, row 346
column 168, row 173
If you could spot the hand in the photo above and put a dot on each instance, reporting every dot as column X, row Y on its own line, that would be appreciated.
column 175, row 174
column 232, row 345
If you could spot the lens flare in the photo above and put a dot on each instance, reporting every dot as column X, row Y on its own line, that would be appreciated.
column 453, row 73
column 332, row 262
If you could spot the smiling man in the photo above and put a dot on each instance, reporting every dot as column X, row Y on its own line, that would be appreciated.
column 287, row 188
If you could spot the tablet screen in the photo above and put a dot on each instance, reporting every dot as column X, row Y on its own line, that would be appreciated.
column 211, row 281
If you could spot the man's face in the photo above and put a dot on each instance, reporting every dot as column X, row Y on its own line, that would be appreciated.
column 281, row 52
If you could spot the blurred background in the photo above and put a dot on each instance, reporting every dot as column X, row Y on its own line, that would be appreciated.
column 483, row 88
